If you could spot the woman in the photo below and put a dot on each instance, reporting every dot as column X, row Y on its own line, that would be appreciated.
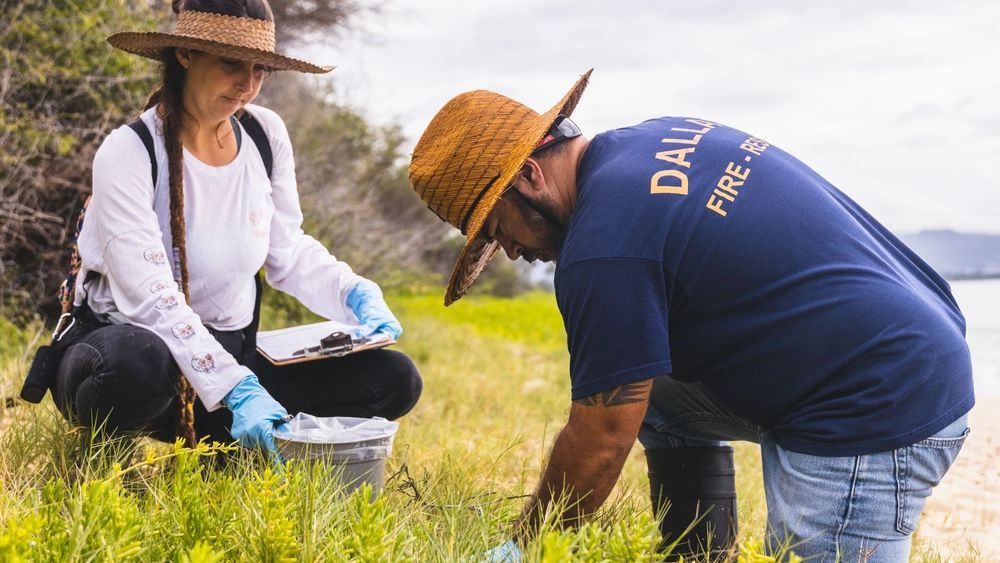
column 211, row 221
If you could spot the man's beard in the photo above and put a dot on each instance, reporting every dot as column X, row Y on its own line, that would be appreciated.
column 541, row 218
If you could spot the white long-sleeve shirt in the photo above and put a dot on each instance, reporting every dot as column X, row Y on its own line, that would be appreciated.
column 236, row 221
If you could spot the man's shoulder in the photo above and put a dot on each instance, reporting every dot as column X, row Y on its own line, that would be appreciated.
column 630, row 155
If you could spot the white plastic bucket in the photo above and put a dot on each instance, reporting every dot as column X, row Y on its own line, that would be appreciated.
column 357, row 447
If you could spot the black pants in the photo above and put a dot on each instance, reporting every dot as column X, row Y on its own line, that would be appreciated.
column 124, row 378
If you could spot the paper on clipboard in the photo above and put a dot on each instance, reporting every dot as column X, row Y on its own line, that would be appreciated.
column 286, row 345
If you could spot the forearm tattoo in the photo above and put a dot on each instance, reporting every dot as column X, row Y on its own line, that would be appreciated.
column 621, row 395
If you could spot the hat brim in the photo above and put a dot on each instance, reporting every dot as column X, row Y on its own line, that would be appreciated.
column 476, row 254
column 155, row 45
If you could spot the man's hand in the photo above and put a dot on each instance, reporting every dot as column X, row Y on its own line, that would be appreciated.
column 507, row 552
column 588, row 454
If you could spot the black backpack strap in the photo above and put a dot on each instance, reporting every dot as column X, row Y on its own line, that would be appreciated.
column 249, row 122
column 140, row 128
column 260, row 139
column 236, row 131
column 249, row 358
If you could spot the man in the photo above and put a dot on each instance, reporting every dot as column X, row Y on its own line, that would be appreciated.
column 707, row 275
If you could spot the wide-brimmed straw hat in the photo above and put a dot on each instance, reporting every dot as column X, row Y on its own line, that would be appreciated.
column 467, row 157
column 244, row 39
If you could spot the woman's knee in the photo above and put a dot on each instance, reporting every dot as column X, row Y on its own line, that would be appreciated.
column 404, row 384
column 133, row 358
column 118, row 375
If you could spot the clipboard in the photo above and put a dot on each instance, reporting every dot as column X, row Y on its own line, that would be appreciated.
column 305, row 343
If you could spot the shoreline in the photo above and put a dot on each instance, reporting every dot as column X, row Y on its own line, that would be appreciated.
column 965, row 507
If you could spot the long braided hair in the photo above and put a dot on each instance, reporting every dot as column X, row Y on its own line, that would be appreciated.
column 168, row 97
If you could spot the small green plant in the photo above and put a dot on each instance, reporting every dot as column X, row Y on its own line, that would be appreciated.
column 201, row 552
column 752, row 551
column 495, row 394
column 268, row 528
column 371, row 529
column 17, row 538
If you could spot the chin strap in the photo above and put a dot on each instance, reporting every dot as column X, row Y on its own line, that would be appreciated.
column 693, row 491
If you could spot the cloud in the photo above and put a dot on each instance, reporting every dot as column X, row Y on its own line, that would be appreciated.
column 896, row 100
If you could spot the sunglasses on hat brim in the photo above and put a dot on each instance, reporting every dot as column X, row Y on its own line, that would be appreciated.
column 562, row 128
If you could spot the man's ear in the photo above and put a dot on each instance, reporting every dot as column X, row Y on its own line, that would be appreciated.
column 183, row 56
column 532, row 172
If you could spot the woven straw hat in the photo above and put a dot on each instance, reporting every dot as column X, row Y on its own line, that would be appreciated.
column 244, row 39
column 467, row 157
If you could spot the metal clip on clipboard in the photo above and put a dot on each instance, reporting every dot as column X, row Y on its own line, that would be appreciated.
column 335, row 344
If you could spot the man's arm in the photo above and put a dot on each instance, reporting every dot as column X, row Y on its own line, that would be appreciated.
column 588, row 455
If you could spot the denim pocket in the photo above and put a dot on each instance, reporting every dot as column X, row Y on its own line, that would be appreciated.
column 919, row 468
column 683, row 414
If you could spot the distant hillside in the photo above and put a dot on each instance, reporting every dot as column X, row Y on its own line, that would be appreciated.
column 958, row 255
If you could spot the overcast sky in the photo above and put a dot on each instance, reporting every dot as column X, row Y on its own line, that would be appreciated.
column 897, row 103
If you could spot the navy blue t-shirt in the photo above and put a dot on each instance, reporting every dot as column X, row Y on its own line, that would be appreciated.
column 702, row 252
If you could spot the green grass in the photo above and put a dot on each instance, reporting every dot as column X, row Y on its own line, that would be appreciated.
column 496, row 392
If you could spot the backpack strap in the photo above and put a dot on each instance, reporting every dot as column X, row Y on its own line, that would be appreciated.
column 260, row 139
column 140, row 128
column 249, row 123
column 237, row 131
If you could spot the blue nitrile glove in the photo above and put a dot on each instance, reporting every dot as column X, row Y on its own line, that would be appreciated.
column 255, row 414
column 366, row 302
column 507, row 552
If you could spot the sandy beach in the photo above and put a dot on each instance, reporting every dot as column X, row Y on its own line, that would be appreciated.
column 965, row 507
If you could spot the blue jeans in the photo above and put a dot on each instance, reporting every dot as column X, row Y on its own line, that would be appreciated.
column 851, row 508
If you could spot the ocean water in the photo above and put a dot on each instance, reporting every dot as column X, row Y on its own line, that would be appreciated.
column 980, row 302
